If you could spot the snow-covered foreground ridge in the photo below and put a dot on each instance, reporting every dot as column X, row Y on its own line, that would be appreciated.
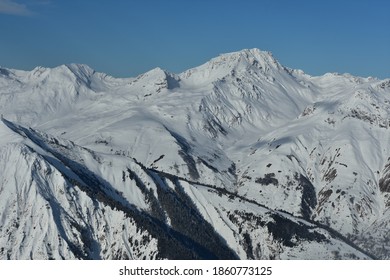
column 239, row 158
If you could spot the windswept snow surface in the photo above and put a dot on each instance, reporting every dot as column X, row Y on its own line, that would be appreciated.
column 239, row 158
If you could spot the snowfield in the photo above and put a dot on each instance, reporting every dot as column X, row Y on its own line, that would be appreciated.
column 239, row 158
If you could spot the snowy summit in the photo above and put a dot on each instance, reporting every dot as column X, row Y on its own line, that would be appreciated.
column 239, row 158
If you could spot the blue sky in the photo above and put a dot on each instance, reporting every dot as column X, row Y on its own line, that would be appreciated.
column 127, row 37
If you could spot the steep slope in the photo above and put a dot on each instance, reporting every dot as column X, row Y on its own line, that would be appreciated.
column 258, row 160
column 63, row 207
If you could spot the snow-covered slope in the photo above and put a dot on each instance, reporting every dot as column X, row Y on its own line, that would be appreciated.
column 240, row 157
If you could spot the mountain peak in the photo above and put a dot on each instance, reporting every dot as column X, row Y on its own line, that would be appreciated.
column 156, row 80
column 79, row 69
column 230, row 63
column 254, row 53
column 247, row 55
column 71, row 71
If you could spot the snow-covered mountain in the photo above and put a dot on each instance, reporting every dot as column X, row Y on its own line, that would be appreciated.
column 239, row 158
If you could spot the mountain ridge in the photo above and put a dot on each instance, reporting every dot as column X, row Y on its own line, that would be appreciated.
column 267, row 161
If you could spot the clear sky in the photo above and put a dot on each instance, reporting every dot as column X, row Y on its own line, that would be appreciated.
column 127, row 37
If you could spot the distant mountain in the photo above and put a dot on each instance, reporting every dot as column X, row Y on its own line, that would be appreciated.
column 239, row 158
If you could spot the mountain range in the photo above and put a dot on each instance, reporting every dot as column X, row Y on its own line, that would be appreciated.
column 239, row 158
